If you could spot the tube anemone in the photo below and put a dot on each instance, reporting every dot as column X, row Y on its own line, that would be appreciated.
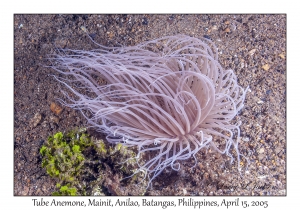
column 169, row 97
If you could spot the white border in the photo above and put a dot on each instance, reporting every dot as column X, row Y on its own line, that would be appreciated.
column 152, row 6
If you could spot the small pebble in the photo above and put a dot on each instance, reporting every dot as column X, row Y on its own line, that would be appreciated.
column 282, row 56
column 207, row 37
column 214, row 28
column 260, row 102
column 227, row 30
column 83, row 28
column 35, row 120
column 145, row 21
column 262, row 150
column 55, row 108
column 251, row 52
column 54, row 119
column 266, row 67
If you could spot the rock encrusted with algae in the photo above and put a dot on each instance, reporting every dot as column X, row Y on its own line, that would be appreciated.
column 84, row 165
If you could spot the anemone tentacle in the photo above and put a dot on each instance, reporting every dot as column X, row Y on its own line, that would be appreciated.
column 170, row 96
